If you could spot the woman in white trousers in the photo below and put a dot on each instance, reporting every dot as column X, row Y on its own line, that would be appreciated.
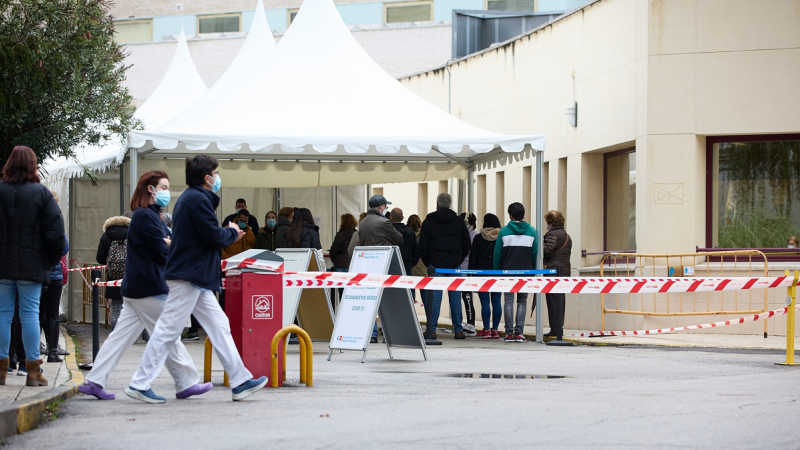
column 144, row 292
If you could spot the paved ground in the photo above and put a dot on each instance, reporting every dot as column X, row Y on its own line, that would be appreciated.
column 15, row 389
column 612, row 397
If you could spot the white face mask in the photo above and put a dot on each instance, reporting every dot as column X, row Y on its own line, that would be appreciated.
column 790, row 246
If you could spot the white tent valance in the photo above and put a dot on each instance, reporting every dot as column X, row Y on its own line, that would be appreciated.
column 318, row 95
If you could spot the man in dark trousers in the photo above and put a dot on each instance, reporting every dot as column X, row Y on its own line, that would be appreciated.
column 409, row 249
column 443, row 244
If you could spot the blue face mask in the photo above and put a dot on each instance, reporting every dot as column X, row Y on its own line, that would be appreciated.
column 162, row 197
column 271, row 223
column 243, row 225
column 217, row 184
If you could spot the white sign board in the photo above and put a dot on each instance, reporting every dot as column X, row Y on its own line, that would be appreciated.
column 360, row 303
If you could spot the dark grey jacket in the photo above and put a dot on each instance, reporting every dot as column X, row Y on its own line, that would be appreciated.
column 377, row 230
column 553, row 240
column 280, row 231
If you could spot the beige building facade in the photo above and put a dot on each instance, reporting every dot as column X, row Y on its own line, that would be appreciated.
column 670, row 95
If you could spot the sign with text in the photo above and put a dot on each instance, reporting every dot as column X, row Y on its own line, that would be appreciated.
column 359, row 304
column 262, row 307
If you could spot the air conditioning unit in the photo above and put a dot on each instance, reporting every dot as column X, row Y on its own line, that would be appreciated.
column 179, row 7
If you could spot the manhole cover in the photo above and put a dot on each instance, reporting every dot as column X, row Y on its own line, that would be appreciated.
column 504, row 376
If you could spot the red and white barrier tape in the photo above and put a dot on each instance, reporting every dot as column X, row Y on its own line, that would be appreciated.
column 753, row 318
column 81, row 269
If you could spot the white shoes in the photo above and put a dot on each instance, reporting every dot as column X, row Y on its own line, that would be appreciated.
column 469, row 330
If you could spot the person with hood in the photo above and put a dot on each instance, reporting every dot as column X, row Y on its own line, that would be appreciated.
column 246, row 242
column 472, row 223
column 443, row 244
column 515, row 249
column 285, row 217
column 481, row 258
column 111, row 253
column 376, row 229
column 557, row 247
column 32, row 240
column 303, row 233
column 267, row 237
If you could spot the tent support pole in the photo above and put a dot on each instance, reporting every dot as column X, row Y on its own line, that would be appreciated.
column 134, row 160
column 71, row 214
column 470, row 186
column 121, row 189
column 540, row 251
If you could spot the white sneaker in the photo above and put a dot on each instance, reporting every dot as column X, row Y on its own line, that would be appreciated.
column 469, row 330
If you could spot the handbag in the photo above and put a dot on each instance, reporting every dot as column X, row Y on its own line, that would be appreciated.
column 559, row 249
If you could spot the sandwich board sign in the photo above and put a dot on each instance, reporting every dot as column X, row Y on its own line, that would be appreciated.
column 311, row 307
column 360, row 305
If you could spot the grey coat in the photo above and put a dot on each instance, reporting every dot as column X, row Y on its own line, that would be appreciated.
column 377, row 230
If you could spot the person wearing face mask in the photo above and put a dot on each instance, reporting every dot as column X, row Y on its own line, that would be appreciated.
column 267, row 237
column 192, row 276
column 246, row 242
column 376, row 229
column 793, row 243
column 240, row 205
column 144, row 291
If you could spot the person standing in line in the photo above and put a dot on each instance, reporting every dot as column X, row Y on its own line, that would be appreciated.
column 354, row 239
column 285, row 217
column 515, row 249
column 419, row 269
column 267, row 236
column 443, row 244
column 557, row 247
column 793, row 242
column 482, row 256
column 303, row 233
column 144, row 292
column 472, row 223
column 49, row 322
column 32, row 240
column 409, row 249
column 241, row 204
column 192, row 275
column 111, row 253
column 338, row 251
column 246, row 242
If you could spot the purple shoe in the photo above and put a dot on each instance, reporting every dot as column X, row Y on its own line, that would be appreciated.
column 197, row 389
column 90, row 388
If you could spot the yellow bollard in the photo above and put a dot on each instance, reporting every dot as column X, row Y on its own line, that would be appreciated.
column 306, row 355
column 207, row 365
column 790, row 313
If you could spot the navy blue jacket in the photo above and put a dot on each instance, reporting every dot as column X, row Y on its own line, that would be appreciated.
column 194, row 255
column 146, row 255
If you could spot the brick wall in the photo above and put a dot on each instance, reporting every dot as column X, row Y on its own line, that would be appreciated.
column 400, row 51
column 149, row 8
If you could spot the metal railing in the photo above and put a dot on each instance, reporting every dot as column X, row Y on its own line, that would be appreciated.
column 680, row 265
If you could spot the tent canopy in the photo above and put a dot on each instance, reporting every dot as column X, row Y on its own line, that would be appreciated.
column 318, row 96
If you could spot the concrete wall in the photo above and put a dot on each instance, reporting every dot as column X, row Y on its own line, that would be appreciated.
column 658, row 75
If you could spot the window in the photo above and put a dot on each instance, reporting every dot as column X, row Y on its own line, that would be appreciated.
column 290, row 15
column 126, row 31
column 619, row 204
column 220, row 23
column 408, row 12
column 754, row 190
column 512, row 5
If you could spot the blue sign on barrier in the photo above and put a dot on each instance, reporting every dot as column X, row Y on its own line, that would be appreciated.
column 499, row 272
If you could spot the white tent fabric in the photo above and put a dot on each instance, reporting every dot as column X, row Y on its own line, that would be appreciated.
column 319, row 95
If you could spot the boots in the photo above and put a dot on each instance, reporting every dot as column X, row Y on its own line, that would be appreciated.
column 35, row 377
column 3, row 370
column 52, row 340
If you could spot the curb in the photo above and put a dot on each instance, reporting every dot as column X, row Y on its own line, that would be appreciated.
column 26, row 415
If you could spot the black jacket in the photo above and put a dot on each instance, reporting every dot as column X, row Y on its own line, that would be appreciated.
column 280, row 231
column 310, row 237
column 443, row 240
column 267, row 239
column 197, row 239
column 409, row 249
column 252, row 222
column 114, row 229
column 32, row 237
column 482, row 251
column 338, row 252
column 146, row 255
column 553, row 240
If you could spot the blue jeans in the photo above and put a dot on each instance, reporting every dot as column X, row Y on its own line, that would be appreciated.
column 29, row 294
column 494, row 313
column 455, row 306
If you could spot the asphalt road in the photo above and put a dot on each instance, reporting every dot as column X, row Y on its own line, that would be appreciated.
column 611, row 397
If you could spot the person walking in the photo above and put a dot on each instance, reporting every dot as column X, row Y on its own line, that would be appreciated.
column 144, row 291
column 192, row 275
column 111, row 253
column 285, row 217
column 49, row 322
column 557, row 247
column 409, row 249
column 419, row 269
column 515, row 249
column 246, row 242
column 267, row 237
column 469, row 328
column 443, row 244
column 241, row 204
column 481, row 258
column 32, row 241
column 303, row 233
